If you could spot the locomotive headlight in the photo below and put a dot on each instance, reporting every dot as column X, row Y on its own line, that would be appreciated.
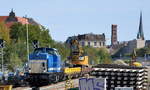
column 29, row 71
column 44, row 69
column 58, row 68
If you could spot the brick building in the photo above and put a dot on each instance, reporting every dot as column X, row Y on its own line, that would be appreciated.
column 114, row 40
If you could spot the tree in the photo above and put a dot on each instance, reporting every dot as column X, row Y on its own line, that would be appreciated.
column 4, row 32
column 46, row 38
column 11, row 57
column 18, row 32
column 62, row 49
column 97, row 55
column 15, row 62
column 17, row 47
column 142, row 51
column 92, row 53
column 104, row 56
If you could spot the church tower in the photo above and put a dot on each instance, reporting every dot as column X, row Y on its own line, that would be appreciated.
column 140, row 42
column 140, row 34
column 12, row 17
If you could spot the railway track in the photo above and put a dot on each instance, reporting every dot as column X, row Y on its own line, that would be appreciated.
column 57, row 86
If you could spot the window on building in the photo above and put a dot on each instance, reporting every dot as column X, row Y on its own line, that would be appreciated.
column 89, row 43
column 95, row 43
column 103, row 43
column 83, row 43
column 100, row 43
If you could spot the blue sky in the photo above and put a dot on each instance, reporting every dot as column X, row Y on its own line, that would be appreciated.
column 72, row 17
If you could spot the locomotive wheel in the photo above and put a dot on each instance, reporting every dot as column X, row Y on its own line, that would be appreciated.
column 76, row 75
column 64, row 78
column 56, row 79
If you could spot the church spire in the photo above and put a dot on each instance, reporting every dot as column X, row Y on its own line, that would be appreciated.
column 140, row 34
column 12, row 14
column 11, row 17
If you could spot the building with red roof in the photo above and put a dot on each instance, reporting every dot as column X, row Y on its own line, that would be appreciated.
column 11, row 19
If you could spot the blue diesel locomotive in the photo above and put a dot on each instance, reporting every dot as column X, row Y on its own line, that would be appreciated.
column 44, row 66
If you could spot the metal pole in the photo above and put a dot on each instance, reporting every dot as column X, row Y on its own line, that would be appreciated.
column 145, row 57
column 2, row 60
column 27, row 40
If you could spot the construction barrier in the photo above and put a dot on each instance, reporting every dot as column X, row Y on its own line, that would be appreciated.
column 69, row 83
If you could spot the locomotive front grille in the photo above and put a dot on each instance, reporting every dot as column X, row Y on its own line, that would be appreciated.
column 37, row 66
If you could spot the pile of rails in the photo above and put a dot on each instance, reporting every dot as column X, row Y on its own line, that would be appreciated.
column 122, row 76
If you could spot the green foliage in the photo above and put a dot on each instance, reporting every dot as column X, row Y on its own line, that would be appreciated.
column 15, row 51
column 104, row 56
column 128, row 54
column 92, row 54
column 142, row 51
column 97, row 55
column 127, row 61
column 62, row 49
column 11, row 56
column 4, row 32
column 19, row 32
column 15, row 62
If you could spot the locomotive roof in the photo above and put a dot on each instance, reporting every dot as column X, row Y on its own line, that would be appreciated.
column 47, row 48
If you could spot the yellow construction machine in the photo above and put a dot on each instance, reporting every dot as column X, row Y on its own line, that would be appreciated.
column 77, row 56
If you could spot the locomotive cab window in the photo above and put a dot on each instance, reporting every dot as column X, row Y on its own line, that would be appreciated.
column 43, row 64
column 52, row 51
column 56, row 52
column 39, row 50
